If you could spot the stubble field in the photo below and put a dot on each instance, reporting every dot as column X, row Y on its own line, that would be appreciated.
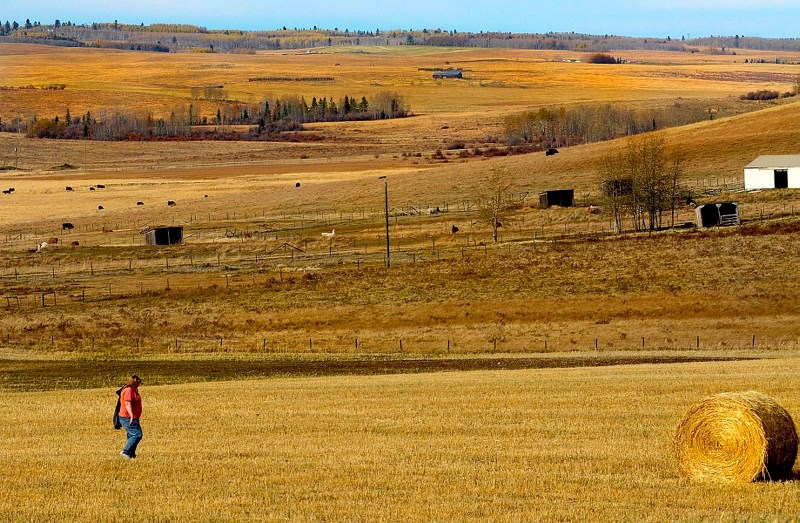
column 256, row 283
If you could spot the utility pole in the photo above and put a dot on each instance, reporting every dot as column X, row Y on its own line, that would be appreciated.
column 386, row 207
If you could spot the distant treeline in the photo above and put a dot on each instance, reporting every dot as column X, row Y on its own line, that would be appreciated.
column 268, row 120
column 174, row 37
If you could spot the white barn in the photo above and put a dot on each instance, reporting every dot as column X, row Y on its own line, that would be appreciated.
column 773, row 172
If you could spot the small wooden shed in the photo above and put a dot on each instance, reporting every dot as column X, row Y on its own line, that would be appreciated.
column 562, row 198
column 163, row 235
column 718, row 214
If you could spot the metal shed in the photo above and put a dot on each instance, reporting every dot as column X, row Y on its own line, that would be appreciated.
column 163, row 235
column 449, row 73
column 562, row 198
column 718, row 214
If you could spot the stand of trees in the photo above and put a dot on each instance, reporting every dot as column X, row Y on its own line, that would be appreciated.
column 268, row 120
column 640, row 181
column 560, row 127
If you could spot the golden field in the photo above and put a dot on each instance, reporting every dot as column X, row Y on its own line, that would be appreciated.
column 544, row 445
column 256, row 283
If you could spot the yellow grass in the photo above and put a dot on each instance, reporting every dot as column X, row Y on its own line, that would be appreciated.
column 547, row 445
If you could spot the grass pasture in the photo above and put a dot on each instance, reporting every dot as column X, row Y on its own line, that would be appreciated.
column 545, row 445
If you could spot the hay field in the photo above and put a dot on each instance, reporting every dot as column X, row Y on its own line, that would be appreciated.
column 544, row 445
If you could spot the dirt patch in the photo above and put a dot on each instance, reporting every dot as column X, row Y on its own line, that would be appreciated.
column 24, row 375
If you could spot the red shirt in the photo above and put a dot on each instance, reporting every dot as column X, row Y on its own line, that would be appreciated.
column 128, row 394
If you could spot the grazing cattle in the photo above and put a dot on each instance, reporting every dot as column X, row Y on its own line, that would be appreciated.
column 75, row 244
column 297, row 184
column 594, row 209
column 101, row 186
column 67, row 226
column 171, row 203
column 8, row 191
column 99, row 207
column 551, row 151
column 52, row 241
column 91, row 188
column 139, row 203
column 40, row 247
column 329, row 235
column 454, row 229
column 69, row 188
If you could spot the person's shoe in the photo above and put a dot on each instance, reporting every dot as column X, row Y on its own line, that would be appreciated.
column 125, row 456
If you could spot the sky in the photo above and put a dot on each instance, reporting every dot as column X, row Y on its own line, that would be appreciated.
column 662, row 18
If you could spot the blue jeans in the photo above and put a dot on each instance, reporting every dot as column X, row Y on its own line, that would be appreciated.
column 134, row 431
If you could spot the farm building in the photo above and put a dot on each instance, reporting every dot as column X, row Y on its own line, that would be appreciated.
column 163, row 235
column 773, row 172
column 450, row 73
column 562, row 198
column 717, row 214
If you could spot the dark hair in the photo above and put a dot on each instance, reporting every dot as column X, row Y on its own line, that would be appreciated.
column 133, row 379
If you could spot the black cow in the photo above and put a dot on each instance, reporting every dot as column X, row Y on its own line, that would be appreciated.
column 67, row 226
column 454, row 229
column 171, row 203
column 297, row 184
column 91, row 188
column 69, row 188
column 99, row 207
column 551, row 151
column 7, row 191
column 100, row 186
column 139, row 203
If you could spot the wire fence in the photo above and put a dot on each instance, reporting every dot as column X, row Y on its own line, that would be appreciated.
column 289, row 342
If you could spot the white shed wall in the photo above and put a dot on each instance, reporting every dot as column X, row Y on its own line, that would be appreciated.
column 794, row 177
column 755, row 178
column 759, row 179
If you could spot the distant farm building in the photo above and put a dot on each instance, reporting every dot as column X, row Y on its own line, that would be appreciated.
column 450, row 73
column 163, row 235
column 562, row 198
column 773, row 172
column 718, row 214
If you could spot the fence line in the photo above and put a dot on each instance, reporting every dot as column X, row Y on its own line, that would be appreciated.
column 295, row 343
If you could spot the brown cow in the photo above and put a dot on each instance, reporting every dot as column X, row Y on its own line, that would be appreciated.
column 52, row 241
column 75, row 244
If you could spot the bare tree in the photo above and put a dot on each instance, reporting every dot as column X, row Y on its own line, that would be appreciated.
column 496, row 199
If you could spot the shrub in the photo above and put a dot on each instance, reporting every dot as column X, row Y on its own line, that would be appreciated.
column 601, row 58
column 760, row 95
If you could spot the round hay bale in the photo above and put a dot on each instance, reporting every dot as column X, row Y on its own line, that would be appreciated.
column 736, row 436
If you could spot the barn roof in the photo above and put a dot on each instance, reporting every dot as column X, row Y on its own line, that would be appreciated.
column 775, row 161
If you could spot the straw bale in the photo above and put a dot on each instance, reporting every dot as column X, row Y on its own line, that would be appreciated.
column 736, row 436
